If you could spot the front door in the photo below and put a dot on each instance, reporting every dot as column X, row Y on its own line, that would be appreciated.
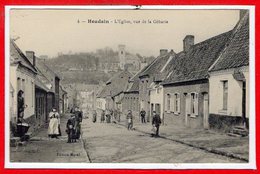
column 206, row 111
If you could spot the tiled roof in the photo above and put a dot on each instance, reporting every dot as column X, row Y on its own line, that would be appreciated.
column 40, row 84
column 104, row 92
column 194, row 64
column 17, row 56
column 236, row 53
column 133, row 86
column 44, row 77
column 116, row 84
column 156, row 66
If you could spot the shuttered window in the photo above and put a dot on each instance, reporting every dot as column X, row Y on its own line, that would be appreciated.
column 194, row 103
column 188, row 104
column 225, row 95
column 177, row 103
column 168, row 102
column 172, row 102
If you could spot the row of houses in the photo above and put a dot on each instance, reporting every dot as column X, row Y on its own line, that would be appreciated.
column 204, row 85
column 40, row 84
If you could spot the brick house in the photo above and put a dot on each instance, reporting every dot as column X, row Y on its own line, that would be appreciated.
column 112, row 93
column 146, row 78
column 229, row 80
column 131, row 98
column 186, row 88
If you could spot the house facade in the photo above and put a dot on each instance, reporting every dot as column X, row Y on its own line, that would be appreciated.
column 229, row 81
column 147, row 77
column 186, row 88
column 131, row 98
column 22, row 77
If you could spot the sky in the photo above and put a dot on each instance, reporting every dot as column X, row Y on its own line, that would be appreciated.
column 48, row 32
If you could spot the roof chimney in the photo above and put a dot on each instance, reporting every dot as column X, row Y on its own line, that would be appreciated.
column 163, row 52
column 188, row 41
column 242, row 13
column 30, row 55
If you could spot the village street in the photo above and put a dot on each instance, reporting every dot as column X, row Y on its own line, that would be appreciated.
column 111, row 143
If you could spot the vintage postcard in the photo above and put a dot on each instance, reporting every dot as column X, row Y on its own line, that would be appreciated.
column 146, row 87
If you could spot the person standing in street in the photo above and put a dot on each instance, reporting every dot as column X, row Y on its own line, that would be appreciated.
column 94, row 118
column 78, row 120
column 102, row 118
column 129, row 118
column 53, row 130
column 156, row 122
column 142, row 114
column 71, row 129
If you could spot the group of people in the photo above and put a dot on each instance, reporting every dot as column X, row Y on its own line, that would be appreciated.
column 106, row 116
column 73, row 127
column 156, row 121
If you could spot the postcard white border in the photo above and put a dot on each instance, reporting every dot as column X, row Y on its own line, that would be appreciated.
column 252, row 138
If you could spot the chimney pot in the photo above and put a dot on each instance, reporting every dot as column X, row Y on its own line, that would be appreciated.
column 31, row 56
column 163, row 52
column 188, row 41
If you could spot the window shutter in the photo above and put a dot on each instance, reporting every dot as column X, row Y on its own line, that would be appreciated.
column 196, row 106
column 179, row 103
column 165, row 102
column 188, row 103
column 172, row 102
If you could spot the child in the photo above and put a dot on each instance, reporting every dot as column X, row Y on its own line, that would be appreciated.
column 71, row 131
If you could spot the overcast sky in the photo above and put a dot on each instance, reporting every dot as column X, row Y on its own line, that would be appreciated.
column 48, row 32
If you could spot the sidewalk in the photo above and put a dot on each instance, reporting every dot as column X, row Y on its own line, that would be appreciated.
column 41, row 148
column 209, row 140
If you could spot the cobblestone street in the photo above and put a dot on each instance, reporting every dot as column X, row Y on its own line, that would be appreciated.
column 111, row 143
column 114, row 143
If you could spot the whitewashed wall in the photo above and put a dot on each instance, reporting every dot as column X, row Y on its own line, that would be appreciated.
column 157, row 97
column 234, row 106
column 28, row 88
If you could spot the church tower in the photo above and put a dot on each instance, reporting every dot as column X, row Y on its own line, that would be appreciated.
column 122, row 56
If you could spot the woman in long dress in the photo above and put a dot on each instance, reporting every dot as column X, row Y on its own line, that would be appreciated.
column 53, row 130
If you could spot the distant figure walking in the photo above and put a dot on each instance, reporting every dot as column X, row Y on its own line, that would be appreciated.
column 129, row 118
column 156, row 122
column 142, row 114
column 108, row 116
column 53, row 130
column 102, row 118
column 94, row 117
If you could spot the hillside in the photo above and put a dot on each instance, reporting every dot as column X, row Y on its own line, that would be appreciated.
column 85, row 67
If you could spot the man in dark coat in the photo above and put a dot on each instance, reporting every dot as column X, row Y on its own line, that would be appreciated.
column 102, row 118
column 156, row 122
column 142, row 113
column 78, row 120
column 129, row 118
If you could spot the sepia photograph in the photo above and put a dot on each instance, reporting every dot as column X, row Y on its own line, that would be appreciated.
column 130, row 87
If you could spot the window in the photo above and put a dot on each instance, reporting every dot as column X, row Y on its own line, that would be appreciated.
column 18, row 83
column 177, row 103
column 168, row 102
column 194, row 103
column 225, row 95
column 32, row 89
column 23, row 85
